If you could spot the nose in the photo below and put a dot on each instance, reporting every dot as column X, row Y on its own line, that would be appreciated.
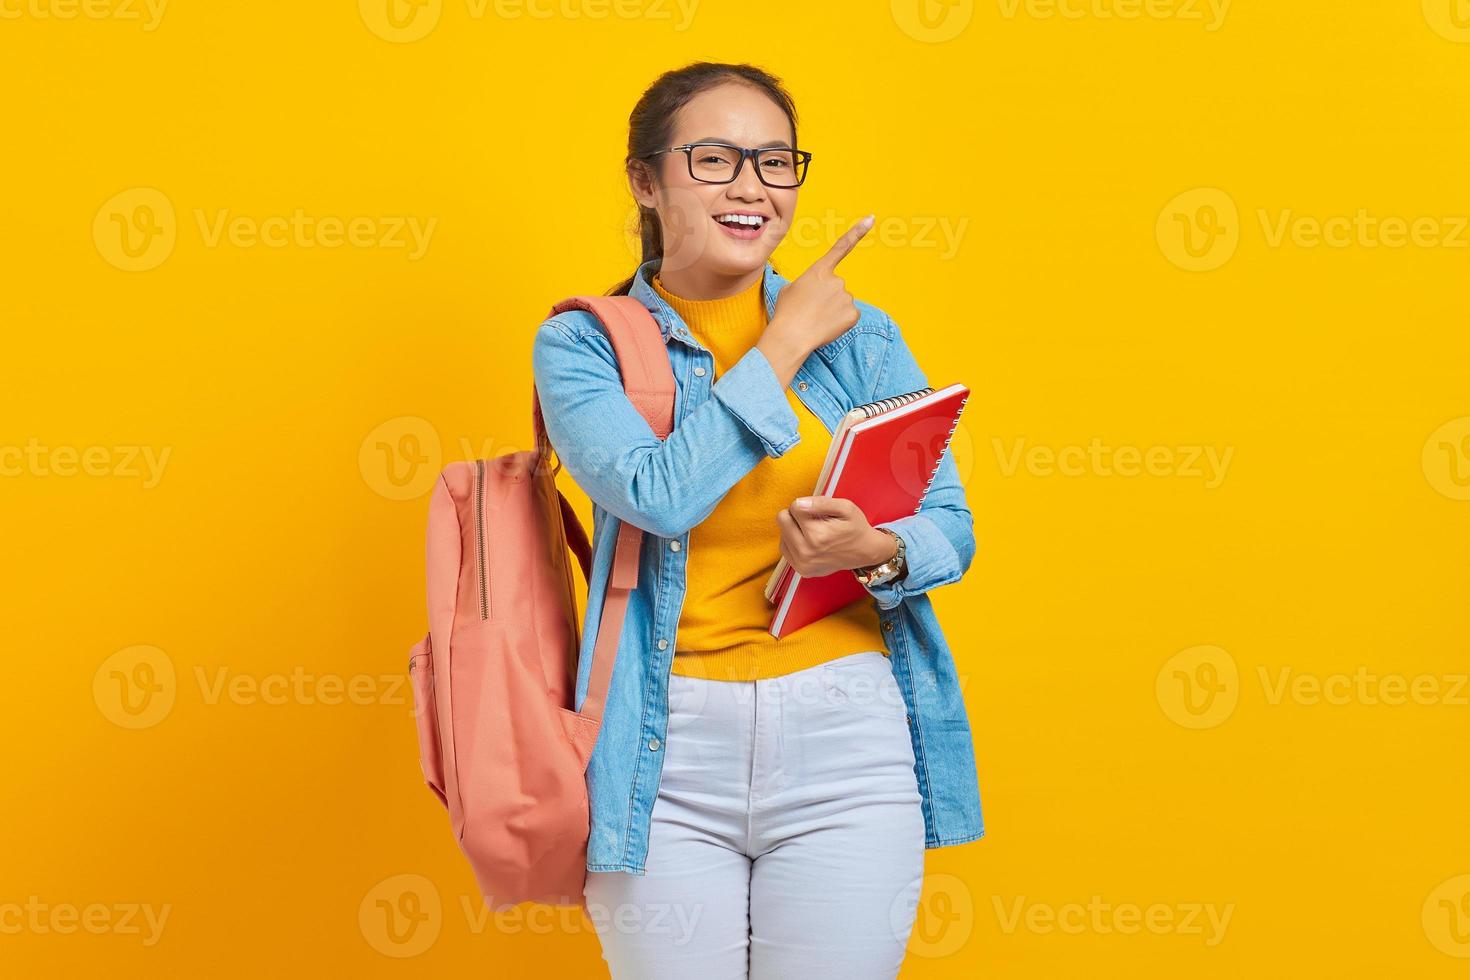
column 746, row 185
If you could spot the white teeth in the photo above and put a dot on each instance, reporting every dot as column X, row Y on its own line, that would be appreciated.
column 749, row 220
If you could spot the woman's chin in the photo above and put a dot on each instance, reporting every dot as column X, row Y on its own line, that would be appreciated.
column 739, row 258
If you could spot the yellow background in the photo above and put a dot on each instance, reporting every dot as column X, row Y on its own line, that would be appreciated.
column 1122, row 639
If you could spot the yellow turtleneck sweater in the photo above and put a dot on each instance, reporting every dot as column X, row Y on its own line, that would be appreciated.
column 723, row 626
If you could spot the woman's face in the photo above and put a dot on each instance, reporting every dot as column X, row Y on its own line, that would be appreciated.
column 695, row 242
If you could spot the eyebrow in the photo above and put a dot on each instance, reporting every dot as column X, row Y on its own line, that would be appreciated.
column 725, row 139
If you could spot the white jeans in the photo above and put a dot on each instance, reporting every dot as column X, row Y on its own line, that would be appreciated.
column 787, row 842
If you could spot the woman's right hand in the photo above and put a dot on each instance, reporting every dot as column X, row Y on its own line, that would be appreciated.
column 813, row 308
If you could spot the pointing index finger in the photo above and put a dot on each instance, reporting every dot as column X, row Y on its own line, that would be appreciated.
column 845, row 244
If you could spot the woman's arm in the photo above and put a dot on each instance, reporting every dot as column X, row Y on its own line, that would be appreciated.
column 939, row 541
column 663, row 486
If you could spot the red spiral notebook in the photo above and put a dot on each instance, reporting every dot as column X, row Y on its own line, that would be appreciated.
column 883, row 457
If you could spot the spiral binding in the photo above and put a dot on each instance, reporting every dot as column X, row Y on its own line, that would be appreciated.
column 888, row 404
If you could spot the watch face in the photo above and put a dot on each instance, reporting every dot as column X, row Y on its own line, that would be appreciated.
column 883, row 573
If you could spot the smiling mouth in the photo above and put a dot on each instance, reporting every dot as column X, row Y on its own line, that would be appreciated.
column 747, row 226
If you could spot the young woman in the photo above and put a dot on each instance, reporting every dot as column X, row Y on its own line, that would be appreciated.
column 760, row 807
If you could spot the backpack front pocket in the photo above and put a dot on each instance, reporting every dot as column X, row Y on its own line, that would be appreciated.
column 421, row 678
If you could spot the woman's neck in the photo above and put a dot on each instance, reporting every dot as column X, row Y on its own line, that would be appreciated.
column 701, row 284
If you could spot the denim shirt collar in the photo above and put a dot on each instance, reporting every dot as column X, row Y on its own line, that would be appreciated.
column 669, row 322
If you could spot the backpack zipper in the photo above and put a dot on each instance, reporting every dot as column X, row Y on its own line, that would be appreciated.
column 480, row 537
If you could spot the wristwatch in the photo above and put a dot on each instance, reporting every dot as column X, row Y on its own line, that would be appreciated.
column 887, row 571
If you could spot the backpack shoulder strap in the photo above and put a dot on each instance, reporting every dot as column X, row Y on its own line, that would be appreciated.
column 648, row 380
column 643, row 360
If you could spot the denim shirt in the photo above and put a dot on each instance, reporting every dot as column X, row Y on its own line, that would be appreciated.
column 722, row 428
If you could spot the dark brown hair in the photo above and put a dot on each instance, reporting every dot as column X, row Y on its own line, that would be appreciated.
column 651, row 127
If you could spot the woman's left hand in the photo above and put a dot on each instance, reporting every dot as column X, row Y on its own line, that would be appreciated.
column 821, row 535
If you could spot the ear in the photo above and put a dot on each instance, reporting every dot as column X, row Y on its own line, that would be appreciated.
column 640, row 182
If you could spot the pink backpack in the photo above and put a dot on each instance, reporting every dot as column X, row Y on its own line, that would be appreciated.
column 493, row 681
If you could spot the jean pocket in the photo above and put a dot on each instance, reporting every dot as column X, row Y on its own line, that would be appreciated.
column 865, row 683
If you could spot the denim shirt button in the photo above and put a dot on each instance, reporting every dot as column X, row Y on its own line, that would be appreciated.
column 699, row 372
column 663, row 644
column 801, row 385
column 674, row 546
column 888, row 626
column 653, row 744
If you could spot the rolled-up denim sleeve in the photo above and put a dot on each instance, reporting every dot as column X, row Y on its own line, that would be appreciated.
column 939, row 540
column 664, row 486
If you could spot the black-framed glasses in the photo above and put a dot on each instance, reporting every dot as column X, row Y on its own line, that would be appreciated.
column 720, row 163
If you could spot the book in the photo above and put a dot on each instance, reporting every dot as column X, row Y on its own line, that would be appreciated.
column 883, row 457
